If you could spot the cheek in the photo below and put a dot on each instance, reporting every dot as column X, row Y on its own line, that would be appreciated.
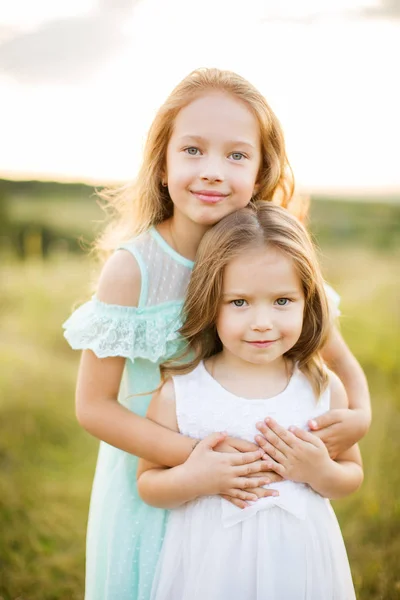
column 226, row 325
column 294, row 323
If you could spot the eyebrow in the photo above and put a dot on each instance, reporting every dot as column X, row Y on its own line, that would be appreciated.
column 199, row 138
column 240, row 294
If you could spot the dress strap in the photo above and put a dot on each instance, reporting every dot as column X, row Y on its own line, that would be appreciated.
column 144, row 286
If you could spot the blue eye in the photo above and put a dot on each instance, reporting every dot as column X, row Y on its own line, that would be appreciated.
column 192, row 150
column 238, row 303
column 283, row 301
column 237, row 156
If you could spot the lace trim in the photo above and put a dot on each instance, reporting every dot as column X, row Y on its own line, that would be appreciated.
column 130, row 332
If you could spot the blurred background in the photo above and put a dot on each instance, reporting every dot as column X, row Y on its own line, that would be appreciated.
column 80, row 82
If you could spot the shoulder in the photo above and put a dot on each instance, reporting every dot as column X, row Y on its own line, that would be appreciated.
column 120, row 280
column 338, row 392
column 162, row 406
column 166, row 393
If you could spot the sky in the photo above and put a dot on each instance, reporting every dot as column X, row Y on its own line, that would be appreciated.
column 80, row 81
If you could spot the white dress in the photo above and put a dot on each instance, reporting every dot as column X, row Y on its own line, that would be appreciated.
column 288, row 547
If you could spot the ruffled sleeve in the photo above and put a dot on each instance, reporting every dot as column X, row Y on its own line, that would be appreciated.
column 130, row 332
column 333, row 301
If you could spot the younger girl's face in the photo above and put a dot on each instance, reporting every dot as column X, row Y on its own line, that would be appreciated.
column 261, row 312
column 213, row 158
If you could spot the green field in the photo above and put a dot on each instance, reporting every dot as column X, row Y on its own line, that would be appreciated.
column 47, row 461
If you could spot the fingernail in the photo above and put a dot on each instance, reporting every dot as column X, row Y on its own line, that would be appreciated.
column 275, row 493
column 267, row 420
column 292, row 428
column 313, row 424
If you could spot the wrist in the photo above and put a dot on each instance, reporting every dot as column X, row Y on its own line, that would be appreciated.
column 321, row 476
column 188, row 482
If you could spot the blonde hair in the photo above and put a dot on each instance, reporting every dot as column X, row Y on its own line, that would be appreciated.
column 138, row 206
column 259, row 225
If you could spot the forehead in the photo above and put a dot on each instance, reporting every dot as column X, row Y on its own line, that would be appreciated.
column 217, row 114
column 262, row 269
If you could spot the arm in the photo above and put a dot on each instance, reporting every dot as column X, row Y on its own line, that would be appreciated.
column 340, row 428
column 204, row 473
column 344, row 475
column 97, row 408
column 300, row 456
column 341, row 361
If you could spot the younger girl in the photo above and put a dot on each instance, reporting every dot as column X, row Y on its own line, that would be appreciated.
column 256, row 317
column 214, row 146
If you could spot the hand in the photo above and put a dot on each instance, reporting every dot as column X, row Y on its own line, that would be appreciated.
column 294, row 454
column 226, row 473
column 340, row 429
column 260, row 492
column 231, row 444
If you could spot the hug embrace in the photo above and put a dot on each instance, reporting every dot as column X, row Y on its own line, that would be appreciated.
column 227, row 403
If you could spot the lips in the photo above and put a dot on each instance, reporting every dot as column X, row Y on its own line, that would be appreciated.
column 262, row 343
column 209, row 196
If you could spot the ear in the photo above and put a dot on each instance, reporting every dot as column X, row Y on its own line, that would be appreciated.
column 164, row 174
column 256, row 189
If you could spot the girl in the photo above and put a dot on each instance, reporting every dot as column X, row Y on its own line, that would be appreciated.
column 256, row 317
column 213, row 147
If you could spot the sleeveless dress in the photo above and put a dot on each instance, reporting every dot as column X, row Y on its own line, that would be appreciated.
column 125, row 534
column 280, row 548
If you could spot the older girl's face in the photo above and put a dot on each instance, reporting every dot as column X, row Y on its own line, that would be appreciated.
column 213, row 158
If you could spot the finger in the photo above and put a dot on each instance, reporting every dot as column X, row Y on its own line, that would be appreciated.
column 273, row 452
column 265, row 492
column 272, row 438
column 241, row 445
column 244, row 458
column 245, row 483
column 213, row 440
column 281, row 432
column 306, row 436
column 325, row 420
column 274, row 477
column 274, row 466
column 252, row 469
column 235, row 501
column 246, row 495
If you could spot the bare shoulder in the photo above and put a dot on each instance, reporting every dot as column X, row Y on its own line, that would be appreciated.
column 120, row 280
column 338, row 393
column 166, row 393
column 162, row 408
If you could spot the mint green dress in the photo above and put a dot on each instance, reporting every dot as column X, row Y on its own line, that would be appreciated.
column 124, row 534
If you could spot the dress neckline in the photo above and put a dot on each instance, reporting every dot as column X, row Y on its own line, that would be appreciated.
column 169, row 250
column 242, row 398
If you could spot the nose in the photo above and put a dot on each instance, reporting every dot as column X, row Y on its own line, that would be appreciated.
column 212, row 170
column 262, row 321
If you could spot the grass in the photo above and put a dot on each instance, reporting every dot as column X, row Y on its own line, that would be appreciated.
column 47, row 461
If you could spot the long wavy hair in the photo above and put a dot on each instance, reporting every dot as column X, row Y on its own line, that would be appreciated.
column 258, row 225
column 138, row 206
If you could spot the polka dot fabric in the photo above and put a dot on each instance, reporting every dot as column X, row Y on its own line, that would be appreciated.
column 124, row 534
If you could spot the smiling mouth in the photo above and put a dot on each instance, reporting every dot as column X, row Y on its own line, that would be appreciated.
column 262, row 343
column 209, row 197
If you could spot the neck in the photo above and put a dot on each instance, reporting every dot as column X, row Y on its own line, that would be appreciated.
column 236, row 366
column 249, row 380
column 184, row 237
